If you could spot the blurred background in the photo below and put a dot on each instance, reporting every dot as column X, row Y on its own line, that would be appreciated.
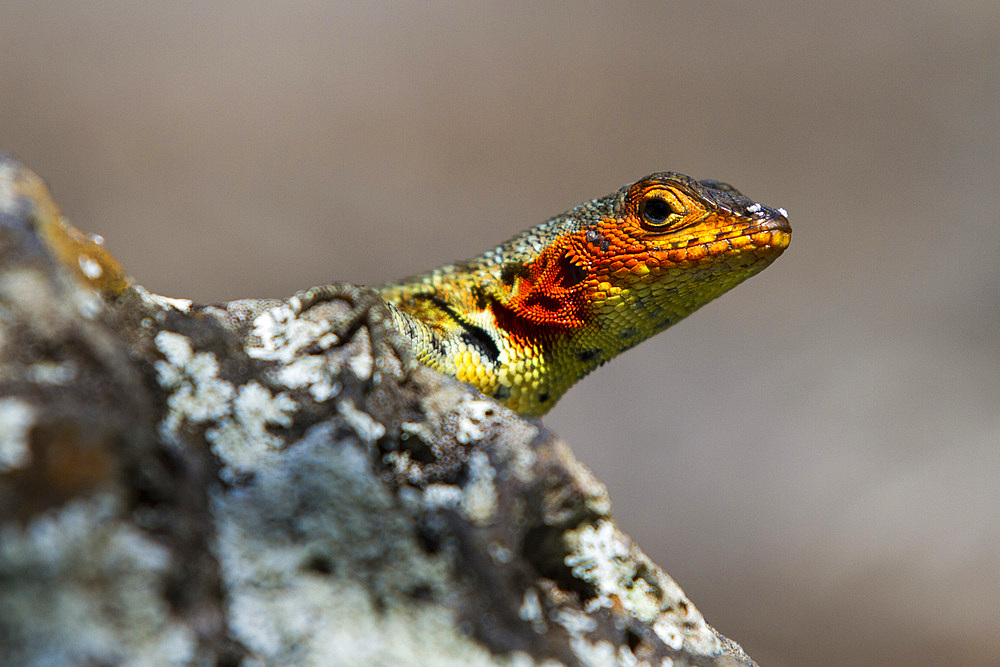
column 815, row 456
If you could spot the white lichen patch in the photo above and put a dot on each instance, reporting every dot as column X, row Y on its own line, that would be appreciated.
column 177, row 350
column 89, row 303
column 51, row 372
column 361, row 365
column 603, row 653
column 500, row 554
column 160, row 301
column 83, row 586
column 576, row 623
column 438, row 496
column 16, row 420
column 472, row 421
column 182, row 305
column 403, row 466
column 366, row 428
column 242, row 416
column 197, row 394
column 530, row 610
column 522, row 459
column 669, row 634
column 602, row 556
column 279, row 335
column 322, row 497
column 255, row 405
column 241, row 437
column 479, row 495
column 91, row 268
column 522, row 659
column 317, row 373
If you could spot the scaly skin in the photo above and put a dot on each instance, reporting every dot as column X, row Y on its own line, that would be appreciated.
column 524, row 321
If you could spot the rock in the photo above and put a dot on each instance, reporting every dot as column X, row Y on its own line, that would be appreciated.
column 239, row 484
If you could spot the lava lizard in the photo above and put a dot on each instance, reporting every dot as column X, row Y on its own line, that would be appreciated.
column 526, row 320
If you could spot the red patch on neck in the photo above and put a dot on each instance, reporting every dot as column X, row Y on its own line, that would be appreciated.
column 549, row 298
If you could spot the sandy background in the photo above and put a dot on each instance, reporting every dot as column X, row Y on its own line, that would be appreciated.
column 814, row 457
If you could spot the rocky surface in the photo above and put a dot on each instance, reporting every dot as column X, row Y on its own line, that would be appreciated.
column 239, row 484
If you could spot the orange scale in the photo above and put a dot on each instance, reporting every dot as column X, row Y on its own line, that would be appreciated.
column 718, row 248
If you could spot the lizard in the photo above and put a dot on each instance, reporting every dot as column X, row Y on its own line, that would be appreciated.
column 526, row 320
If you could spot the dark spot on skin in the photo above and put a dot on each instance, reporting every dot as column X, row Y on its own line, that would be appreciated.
column 510, row 271
column 502, row 393
column 482, row 298
column 595, row 238
column 437, row 344
column 588, row 355
column 472, row 335
column 476, row 337
column 543, row 397
column 627, row 334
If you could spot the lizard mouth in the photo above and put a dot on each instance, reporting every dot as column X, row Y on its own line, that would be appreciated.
column 768, row 235
column 778, row 223
column 770, row 230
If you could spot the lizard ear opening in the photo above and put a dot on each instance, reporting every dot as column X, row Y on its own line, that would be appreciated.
column 567, row 273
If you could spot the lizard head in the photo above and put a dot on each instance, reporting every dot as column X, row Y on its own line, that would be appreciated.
column 678, row 236
column 646, row 257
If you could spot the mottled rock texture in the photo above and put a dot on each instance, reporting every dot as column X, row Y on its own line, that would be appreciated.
column 251, row 484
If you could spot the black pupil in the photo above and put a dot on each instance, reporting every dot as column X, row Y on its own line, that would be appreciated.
column 656, row 210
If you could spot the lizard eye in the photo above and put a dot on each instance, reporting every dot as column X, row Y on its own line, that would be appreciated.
column 657, row 211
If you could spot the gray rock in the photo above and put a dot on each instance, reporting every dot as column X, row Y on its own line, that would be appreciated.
column 239, row 484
